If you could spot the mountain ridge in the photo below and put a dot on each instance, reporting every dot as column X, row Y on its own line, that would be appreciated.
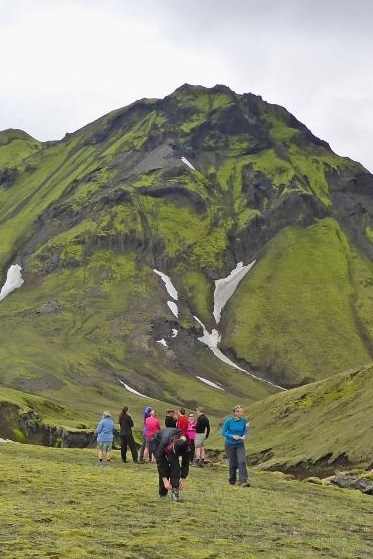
column 90, row 216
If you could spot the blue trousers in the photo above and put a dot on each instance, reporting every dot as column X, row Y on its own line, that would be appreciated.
column 236, row 455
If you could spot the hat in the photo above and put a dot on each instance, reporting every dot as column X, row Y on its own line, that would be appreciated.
column 169, row 411
column 106, row 414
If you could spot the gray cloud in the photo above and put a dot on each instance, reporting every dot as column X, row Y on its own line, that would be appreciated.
column 69, row 62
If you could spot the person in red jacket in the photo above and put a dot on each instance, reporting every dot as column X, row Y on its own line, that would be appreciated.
column 182, row 422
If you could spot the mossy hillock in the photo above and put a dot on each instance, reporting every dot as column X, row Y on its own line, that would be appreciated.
column 190, row 185
column 318, row 429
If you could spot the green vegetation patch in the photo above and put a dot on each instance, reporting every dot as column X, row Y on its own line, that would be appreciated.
column 294, row 315
column 52, row 507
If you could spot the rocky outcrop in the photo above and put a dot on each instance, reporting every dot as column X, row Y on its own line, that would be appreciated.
column 354, row 481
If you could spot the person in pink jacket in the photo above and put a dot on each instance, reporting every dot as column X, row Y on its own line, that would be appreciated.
column 152, row 425
column 191, row 435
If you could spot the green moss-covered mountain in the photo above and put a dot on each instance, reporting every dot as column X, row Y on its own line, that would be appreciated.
column 189, row 185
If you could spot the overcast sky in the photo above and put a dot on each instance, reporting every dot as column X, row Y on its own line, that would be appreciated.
column 65, row 63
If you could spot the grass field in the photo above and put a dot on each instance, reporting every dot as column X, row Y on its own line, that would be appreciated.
column 56, row 503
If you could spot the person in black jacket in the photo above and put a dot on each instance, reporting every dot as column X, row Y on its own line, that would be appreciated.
column 170, row 420
column 202, row 433
column 169, row 446
column 126, row 437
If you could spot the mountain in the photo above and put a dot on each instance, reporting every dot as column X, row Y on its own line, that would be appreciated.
column 194, row 187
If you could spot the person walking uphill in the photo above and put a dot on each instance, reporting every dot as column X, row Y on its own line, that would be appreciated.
column 234, row 431
column 169, row 445
column 126, row 437
column 105, row 435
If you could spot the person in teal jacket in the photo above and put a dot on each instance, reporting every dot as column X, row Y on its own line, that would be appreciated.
column 234, row 431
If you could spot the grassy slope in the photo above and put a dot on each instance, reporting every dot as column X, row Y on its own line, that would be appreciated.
column 300, row 307
column 331, row 417
column 114, row 512
column 100, row 335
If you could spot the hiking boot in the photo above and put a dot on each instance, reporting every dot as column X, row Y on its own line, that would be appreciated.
column 233, row 482
column 175, row 495
column 245, row 484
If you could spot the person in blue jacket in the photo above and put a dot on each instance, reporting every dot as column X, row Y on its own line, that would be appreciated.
column 234, row 431
column 105, row 435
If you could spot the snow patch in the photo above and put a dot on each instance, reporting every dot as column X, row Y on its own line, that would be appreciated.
column 174, row 332
column 6, row 441
column 225, row 287
column 188, row 163
column 213, row 339
column 210, row 383
column 173, row 308
column 13, row 280
column 168, row 283
column 162, row 342
column 134, row 391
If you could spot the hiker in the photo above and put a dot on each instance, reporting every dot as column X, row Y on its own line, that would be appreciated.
column 152, row 425
column 182, row 421
column 202, row 433
column 126, row 437
column 105, row 435
column 170, row 419
column 191, row 435
column 146, row 414
column 234, row 431
column 169, row 445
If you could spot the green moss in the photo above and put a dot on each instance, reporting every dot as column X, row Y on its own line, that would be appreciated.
column 299, row 295
column 19, row 436
column 69, row 515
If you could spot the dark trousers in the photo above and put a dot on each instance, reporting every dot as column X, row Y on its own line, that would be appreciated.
column 170, row 468
column 236, row 455
column 191, row 451
column 128, row 441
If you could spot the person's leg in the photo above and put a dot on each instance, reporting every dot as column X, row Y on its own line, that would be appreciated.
column 197, row 449
column 123, row 448
column 192, row 451
column 142, row 449
column 162, row 466
column 199, row 445
column 99, row 452
column 133, row 448
column 174, row 465
column 146, row 450
column 241, row 459
column 202, row 453
column 231, row 454
column 107, row 448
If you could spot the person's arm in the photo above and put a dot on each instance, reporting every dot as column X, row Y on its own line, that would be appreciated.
column 245, row 429
column 225, row 431
column 207, row 428
column 130, row 421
